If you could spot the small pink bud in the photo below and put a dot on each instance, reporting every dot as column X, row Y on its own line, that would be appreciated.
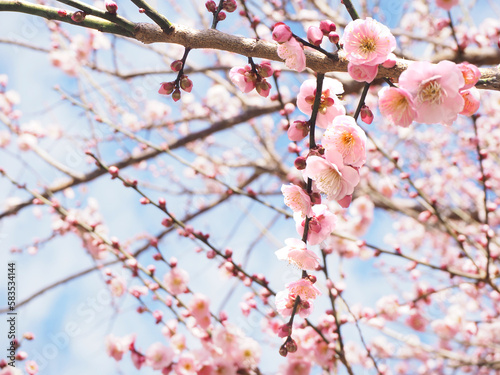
column 167, row 222
column 265, row 70
column 390, row 62
column 263, row 88
column 314, row 35
column 62, row 13
column 142, row 10
column 29, row 336
column 158, row 315
column 166, row 88
column 229, row 6
column 221, row 16
column 162, row 203
column 298, row 130
column 300, row 163
column 21, row 356
column 176, row 65
column 111, row 7
column 281, row 32
column 327, row 27
column 78, row 16
column 176, row 95
column 284, row 330
column 211, row 6
column 366, row 115
column 334, row 37
column 210, row 254
column 145, row 200
column 186, row 84
column 173, row 262
column 151, row 268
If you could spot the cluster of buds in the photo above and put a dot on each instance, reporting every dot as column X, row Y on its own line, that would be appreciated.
column 326, row 28
column 174, row 88
column 248, row 78
column 227, row 5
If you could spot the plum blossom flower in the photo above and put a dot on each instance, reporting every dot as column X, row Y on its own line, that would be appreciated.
column 321, row 225
column 397, row 104
column 9, row 370
column 471, row 74
column 346, row 137
column 332, row 177
column 293, row 54
column 435, row 90
column 281, row 32
column 186, row 365
column 199, row 307
column 362, row 73
column 31, row 367
column 296, row 367
column 176, row 281
column 367, row 42
column 285, row 300
column 446, row 4
column 118, row 286
column 159, row 356
column 296, row 198
column 471, row 99
column 330, row 106
column 248, row 352
column 248, row 79
column 241, row 77
column 296, row 253
column 117, row 346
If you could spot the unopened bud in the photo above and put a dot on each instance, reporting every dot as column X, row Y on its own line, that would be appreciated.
column 211, row 6
column 111, row 7
column 186, row 84
column 166, row 88
column 366, row 115
column 229, row 6
column 221, row 16
column 300, row 163
column 176, row 95
column 78, row 16
column 176, row 65
column 334, row 37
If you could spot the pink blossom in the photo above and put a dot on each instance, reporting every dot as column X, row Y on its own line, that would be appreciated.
column 118, row 286
column 346, row 137
column 296, row 198
column 330, row 106
column 417, row 321
column 367, row 42
column 243, row 78
column 117, row 346
column 248, row 353
column 199, row 308
column 281, row 32
column 446, row 4
column 471, row 99
column 186, row 365
column 332, row 177
column 362, row 73
column 293, row 54
column 296, row 367
column 471, row 74
column 31, row 367
column 397, row 104
column 296, row 252
column 298, row 130
column 285, row 302
column 321, row 226
column 303, row 288
column 159, row 356
column 176, row 281
column 435, row 90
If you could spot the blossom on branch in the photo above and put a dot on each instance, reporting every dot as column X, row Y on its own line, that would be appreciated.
column 296, row 253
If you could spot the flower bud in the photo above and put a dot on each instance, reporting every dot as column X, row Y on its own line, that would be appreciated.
column 166, row 88
column 327, row 27
column 62, row 13
column 298, row 130
column 314, row 35
column 78, row 16
column 263, row 88
column 283, row 352
column 229, row 6
column 281, row 32
column 186, row 84
column 291, row 345
column 265, row 70
column 300, row 163
column 334, row 37
column 366, row 115
column 176, row 65
column 111, row 7
column 211, row 6
column 221, row 16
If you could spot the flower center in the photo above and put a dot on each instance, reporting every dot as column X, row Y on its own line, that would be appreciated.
column 329, row 182
column 430, row 92
column 368, row 45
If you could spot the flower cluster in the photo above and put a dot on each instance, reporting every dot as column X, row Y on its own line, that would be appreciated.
column 432, row 93
column 367, row 44
column 289, row 49
column 248, row 78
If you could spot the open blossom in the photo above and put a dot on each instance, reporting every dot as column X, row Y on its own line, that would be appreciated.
column 159, row 356
column 296, row 367
column 248, row 352
column 296, row 198
column 330, row 105
column 471, row 74
column 117, row 346
column 397, row 104
column 471, row 99
column 293, row 54
column 199, row 308
column 118, row 286
column 435, row 90
column 346, row 137
column 285, row 300
column 362, row 73
column 367, row 42
column 176, row 281
column 331, row 176
column 321, row 224
column 186, row 365
column 446, row 4
column 296, row 252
